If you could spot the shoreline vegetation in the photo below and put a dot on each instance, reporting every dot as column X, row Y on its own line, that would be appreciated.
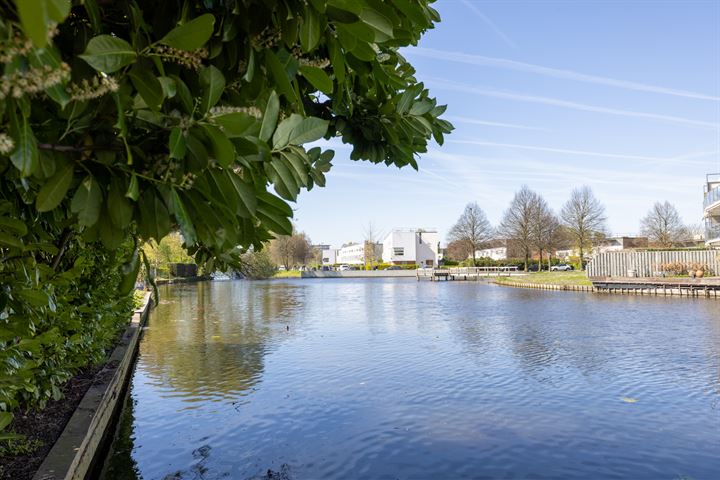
column 575, row 277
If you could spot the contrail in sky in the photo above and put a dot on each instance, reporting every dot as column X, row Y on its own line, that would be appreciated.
column 490, row 23
column 553, row 72
column 486, row 92
column 489, row 123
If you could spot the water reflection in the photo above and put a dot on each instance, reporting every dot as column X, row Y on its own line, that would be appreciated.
column 394, row 378
column 208, row 341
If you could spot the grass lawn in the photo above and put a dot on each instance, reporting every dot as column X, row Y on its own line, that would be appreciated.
column 287, row 274
column 552, row 278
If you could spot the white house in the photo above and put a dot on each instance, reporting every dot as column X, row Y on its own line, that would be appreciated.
column 410, row 247
column 351, row 254
column 711, row 210
column 329, row 256
column 497, row 253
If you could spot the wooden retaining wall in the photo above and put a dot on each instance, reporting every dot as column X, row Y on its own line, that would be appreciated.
column 73, row 454
column 546, row 286
column 647, row 264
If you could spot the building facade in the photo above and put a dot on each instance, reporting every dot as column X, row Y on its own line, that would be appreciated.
column 412, row 247
column 497, row 253
column 329, row 256
column 711, row 210
column 617, row 244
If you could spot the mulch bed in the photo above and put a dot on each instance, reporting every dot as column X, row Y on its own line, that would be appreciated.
column 45, row 426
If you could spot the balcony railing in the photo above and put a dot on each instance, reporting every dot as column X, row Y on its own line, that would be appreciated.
column 712, row 196
column 712, row 232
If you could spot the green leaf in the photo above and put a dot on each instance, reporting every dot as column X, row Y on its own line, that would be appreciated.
column 281, row 138
column 148, row 86
column 246, row 194
column 118, row 206
column 183, row 219
column 10, row 241
column 87, row 201
column 5, row 419
column 36, row 18
column 133, row 191
column 318, row 78
column 283, row 179
column 13, row 225
column 129, row 273
column 223, row 149
column 54, row 190
column 337, row 59
column 184, row 95
column 309, row 130
column 377, row 21
column 111, row 236
column 57, row 10
column 191, row 35
column 270, row 117
column 36, row 298
column 108, row 54
column 310, row 30
column 25, row 155
column 177, row 144
column 212, row 83
column 236, row 124
column 280, row 75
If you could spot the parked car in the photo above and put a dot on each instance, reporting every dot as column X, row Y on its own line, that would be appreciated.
column 561, row 267
column 394, row 267
column 343, row 268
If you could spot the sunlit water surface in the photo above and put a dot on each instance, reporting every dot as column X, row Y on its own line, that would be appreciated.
column 353, row 378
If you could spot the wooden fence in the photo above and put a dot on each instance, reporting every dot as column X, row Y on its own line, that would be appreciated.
column 648, row 264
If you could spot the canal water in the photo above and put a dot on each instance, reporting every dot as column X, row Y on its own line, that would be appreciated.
column 398, row 379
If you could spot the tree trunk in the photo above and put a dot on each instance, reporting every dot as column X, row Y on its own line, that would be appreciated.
column 540, row 261
column 527, row 260
column 582, row 267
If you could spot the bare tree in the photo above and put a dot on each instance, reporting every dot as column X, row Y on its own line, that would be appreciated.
column 520, row 221
column 663, row 225
column 289, row 250
column 459, row 250
column 584, row 217
column 472, row 228
column 546, row 229
column 370, row 245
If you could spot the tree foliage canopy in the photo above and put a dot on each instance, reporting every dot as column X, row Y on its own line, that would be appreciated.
column 123, row 120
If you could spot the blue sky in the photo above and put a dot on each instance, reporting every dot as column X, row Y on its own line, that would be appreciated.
column 621, row 96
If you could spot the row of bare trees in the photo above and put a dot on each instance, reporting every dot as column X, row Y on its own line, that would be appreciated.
column 531, row 225
column 291, row 250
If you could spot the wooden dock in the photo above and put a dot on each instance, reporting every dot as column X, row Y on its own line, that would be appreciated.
column 465, row 273
column 659, row 286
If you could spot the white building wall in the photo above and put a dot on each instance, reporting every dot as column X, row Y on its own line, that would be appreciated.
column 353, row 254
column 329, row 256
column 411, row 247
column 499, row 253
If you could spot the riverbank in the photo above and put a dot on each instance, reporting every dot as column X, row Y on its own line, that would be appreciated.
column 559, row 279
column 54, row 440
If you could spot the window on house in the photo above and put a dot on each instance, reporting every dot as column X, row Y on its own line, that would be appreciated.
column 399, row 251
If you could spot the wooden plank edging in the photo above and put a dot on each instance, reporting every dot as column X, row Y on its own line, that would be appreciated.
column 72, row 455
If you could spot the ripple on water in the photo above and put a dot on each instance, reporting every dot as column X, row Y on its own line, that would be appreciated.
column 401, row 379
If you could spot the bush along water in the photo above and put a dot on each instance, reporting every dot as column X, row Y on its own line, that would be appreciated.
column 63, row 300
column 123, row 121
